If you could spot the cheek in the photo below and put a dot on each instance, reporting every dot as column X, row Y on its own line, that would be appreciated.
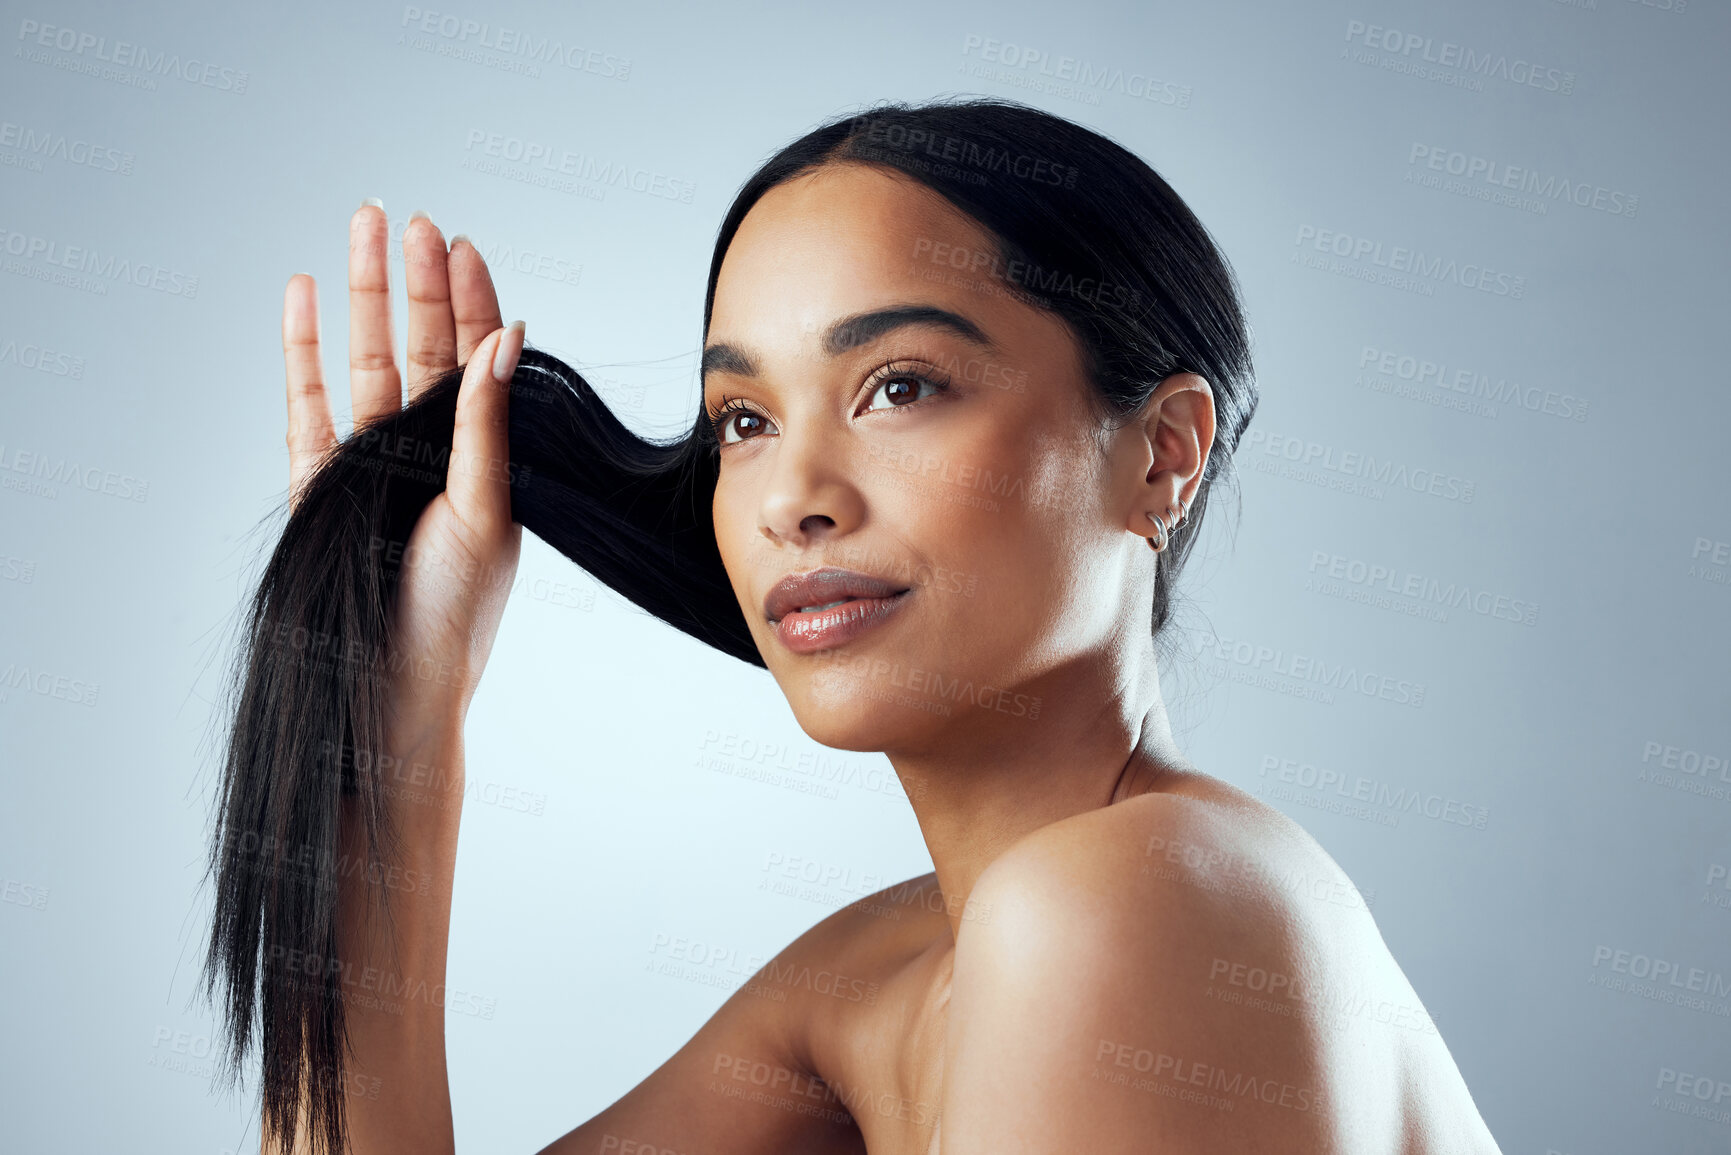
column 726, row 511
column 735, row 528
column 1049, row 541
column 981, row 516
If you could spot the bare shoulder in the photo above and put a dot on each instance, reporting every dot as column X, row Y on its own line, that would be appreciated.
column 1209, row 851
column 880, row 931
column 1205, row 972
column 862, row 957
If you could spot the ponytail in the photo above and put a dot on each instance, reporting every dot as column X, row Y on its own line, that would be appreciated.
column 315, row 662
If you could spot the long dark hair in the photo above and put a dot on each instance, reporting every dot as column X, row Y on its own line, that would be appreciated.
column 1083, row 228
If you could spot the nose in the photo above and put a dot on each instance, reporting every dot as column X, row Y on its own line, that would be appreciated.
column 808, row 496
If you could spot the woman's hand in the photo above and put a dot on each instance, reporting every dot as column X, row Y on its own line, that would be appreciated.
column 457, row 566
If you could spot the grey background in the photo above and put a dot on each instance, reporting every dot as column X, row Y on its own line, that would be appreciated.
column 618, row 857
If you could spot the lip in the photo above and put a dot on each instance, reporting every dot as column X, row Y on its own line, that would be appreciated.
column 869, row 601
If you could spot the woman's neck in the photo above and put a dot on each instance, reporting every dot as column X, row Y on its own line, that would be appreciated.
column 1101, row 736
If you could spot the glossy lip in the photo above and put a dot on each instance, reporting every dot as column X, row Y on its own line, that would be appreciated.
column 870, row 600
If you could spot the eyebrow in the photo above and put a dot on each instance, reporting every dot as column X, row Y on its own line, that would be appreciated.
column 852, row 332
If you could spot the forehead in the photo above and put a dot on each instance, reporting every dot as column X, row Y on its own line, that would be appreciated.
column 841, row 239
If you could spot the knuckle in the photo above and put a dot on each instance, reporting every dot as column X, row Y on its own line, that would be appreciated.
column 430, row 255
column 361, row 359
column 432, row 349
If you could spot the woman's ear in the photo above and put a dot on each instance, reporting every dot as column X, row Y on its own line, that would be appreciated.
column 1174, row 433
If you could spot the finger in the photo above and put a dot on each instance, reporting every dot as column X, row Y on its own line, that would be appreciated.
column 310, row 432
column 432, row 329
column 474, row 303
column 478, row 481
column 375, row 387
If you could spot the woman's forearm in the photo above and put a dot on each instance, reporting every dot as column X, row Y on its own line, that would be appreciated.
column 394, row 1084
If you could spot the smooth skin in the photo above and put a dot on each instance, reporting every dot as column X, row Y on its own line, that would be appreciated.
column 1115, row 952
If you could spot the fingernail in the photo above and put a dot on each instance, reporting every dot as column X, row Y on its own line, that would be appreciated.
column 418, row 215
column 374, row 201
column 505, row 356
column 464, row 237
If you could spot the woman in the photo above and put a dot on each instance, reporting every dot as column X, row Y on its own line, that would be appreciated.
column 1115, row 952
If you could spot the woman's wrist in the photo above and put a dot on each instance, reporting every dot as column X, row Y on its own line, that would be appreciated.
column 419, row 771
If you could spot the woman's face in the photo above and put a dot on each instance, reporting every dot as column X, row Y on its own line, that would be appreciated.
column 899, row 417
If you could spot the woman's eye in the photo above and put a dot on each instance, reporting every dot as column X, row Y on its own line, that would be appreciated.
column 736, row 422
column 901, row 389
column 744, row 424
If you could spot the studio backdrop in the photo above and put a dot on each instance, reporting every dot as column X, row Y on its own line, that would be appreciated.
column 1468, row 619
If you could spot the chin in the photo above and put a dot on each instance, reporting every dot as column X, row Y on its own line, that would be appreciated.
column 845, row 709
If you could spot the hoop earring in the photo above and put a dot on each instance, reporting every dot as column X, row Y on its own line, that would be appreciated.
column 1157, row 541
column 1179, row 515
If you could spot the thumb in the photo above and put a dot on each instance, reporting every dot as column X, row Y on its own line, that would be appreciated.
column 478, row 480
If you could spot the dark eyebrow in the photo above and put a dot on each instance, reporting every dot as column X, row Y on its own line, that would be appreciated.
column 727, row 359
column 852, row 332
column 864, row 328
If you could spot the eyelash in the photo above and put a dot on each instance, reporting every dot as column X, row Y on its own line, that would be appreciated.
column 895, row 370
